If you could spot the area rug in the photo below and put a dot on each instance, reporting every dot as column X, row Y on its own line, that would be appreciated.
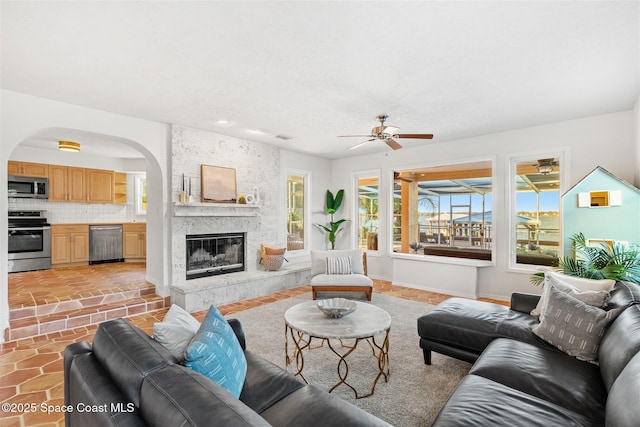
column 414, row 393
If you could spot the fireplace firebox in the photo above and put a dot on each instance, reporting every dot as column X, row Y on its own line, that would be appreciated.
column 213, row 254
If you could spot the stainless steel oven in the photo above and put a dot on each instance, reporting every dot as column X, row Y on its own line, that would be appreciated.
column 29, row 241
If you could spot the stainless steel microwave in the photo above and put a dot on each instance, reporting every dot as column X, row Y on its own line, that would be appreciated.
column 28, row 187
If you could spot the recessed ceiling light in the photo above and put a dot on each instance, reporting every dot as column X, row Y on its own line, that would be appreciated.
column 256, row 131
column 223, row 122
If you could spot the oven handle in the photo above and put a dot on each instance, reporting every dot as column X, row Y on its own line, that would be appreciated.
column 29, row 228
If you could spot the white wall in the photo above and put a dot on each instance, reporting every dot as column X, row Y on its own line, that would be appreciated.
column 25, row 115
column 596, row 141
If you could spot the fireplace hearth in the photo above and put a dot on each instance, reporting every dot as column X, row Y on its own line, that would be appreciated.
column 214, row 254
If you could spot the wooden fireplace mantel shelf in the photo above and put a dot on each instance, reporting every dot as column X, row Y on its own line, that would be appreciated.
column 214, row 209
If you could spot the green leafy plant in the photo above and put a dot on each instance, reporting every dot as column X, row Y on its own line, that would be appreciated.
column 617, row 262
column 331, row 207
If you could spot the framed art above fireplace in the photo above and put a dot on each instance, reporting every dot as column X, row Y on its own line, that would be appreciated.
column 218, row 184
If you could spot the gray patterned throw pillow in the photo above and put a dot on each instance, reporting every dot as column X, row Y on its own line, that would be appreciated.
column 572, row 326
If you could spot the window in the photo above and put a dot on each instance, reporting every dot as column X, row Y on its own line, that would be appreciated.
column 296, row 210
column 141, row 194
column 536, row 210
column 444, row 210
column 368, row 191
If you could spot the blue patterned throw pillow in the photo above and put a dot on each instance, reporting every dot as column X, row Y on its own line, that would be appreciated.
column 216, row 353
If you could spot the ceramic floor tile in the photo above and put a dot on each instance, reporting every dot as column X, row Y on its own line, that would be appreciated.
column 31, row 369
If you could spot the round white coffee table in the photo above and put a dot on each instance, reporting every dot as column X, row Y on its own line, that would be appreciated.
column 305, row 321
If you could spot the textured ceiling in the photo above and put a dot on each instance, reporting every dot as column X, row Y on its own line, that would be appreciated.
column 314, row 70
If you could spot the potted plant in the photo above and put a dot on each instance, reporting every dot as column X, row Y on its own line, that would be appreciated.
column 617, row 262
column 331, row 207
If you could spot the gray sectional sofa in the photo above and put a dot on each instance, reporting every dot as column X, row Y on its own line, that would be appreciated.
column 127, row 379
column 518, row 379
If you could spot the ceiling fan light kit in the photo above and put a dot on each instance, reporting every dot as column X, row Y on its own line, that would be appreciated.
column 545, row 166
column 386, row 134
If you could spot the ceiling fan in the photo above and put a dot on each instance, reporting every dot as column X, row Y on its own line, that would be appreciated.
column 545, row 166
column 397, row 177
column 387, row 134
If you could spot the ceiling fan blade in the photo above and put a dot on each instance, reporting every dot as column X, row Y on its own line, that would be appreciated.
column 359, row 136
column 360, row 144
column 392, row 144
column 414, row 135
column 397, row 177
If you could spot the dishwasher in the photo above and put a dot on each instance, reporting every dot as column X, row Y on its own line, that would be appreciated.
column 105, row 243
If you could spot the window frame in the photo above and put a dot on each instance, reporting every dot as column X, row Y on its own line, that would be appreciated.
column 356, row 176
column 306, row 217
column 442, row 258
column 533, row 156
column 140, row 192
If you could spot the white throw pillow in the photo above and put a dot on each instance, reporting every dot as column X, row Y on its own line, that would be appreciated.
column 339, row 265
column 552, row 278
column 176, row 331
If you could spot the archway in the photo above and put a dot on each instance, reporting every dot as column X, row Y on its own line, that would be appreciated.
column 34, row 148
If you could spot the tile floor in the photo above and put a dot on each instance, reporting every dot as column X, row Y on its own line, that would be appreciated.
column 31, row 369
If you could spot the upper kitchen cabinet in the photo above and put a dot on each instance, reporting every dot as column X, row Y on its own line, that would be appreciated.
column 39, row 170
column 100, row 186
column 120, row 191
column 67, row 184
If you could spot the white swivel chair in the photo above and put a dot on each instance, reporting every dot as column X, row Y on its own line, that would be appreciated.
column 340, row 271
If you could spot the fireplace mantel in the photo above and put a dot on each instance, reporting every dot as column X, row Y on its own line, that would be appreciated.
column 215, row 209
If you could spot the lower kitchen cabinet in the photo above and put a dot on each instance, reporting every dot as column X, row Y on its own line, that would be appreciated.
column 69, row 243
column 134, row 236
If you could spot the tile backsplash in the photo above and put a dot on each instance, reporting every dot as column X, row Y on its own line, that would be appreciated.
column 59, row 213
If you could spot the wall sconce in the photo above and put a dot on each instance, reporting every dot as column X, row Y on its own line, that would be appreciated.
column 68, row 146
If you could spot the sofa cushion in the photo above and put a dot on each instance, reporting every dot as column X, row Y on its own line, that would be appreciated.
column 478, row 401
column 319, row 264
column 88, row 384
column 622, row 406
column 176, row 330
column 216, row 352
column 178, row 396
column 310, row 406
column 619, row 344
column 463, row 323
column 574, row 327
column 623, row 295
column 128, row 355
column 341, row 280
column 549, row 375
column 564, row 281
column 266, row 383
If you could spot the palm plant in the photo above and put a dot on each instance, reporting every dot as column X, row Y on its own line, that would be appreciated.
column 617, row 262
column 331, row 207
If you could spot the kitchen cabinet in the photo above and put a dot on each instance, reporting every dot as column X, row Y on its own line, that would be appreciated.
column 100, row 185
column 39, row 170
column 67, row 184
column 120, row 188
column 69, row 243
column 134, row 236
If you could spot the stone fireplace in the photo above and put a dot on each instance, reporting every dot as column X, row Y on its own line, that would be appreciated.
column 257, row 168
column 214, row 254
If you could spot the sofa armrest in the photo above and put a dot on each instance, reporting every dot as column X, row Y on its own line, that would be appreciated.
column 524, row 302
column 237, row 329
column 70, row 352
